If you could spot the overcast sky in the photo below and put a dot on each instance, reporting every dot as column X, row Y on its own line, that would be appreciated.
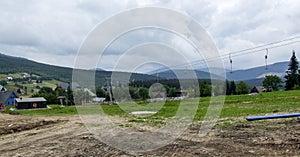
column 51, row 31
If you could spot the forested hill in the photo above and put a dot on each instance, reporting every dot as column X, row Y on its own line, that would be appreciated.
column 11, row 64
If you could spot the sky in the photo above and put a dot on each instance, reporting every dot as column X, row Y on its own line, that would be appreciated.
column 52, row 31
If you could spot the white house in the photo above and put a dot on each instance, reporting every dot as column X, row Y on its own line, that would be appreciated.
column 9, row 78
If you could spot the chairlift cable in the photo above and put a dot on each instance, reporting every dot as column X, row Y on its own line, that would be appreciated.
column 241, row 52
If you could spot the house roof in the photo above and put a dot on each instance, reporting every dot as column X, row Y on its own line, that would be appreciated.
column 4, row 96
column 2, row 88
column 66, row 85
column 260, row 88
column 38, row 99
column 89, row 92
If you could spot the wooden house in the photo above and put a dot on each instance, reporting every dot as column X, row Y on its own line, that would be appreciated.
column 181, row 93
column 30, row 103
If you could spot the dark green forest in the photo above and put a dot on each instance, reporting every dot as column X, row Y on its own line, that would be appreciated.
column 11, row 64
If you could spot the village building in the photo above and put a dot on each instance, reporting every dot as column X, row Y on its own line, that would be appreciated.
column 7, row 98
column 9, row 78
column 254, row 90
column 72, row 85
column 30, row 103
column 26, row 75
column 158, row 96
column 181, row 93
column 98, row 100
column 2, row 89
column 258, row 89
column 21, row 91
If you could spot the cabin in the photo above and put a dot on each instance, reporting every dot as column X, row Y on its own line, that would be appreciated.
column 181, row 93
column 72, row 85
column 254, row 90
column 258, row 89
column 7, row 98
column 21, row 91
column 26, row 75
column 98, row 100
column 9, row 78
column 2, row 89
column 30, row 103
column 159, row 95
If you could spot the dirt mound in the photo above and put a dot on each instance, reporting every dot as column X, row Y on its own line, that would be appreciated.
column 12, row 128
column 273, row 137
column 67, row 136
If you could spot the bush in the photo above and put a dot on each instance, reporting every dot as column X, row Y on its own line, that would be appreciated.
column 242, row 88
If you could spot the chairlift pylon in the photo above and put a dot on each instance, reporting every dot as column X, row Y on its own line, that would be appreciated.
column 230, row 60
column 266, row 58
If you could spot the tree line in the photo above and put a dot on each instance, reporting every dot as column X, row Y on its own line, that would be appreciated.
column 52, row 95
column 139, row 90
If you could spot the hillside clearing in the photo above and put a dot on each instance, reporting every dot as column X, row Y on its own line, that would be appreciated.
column 66, row 135
column 69, row 137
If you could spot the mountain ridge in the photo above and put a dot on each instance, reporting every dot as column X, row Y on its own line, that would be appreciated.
column 11, row 64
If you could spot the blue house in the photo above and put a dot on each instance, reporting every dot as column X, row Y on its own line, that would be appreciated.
column 7, row 98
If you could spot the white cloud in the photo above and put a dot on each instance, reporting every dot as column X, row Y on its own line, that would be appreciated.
column 51, row 31
column 244, row 24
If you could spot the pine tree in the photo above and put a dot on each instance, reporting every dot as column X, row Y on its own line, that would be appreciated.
column 70, row 97
column 233, row 87
column 292, row 73
column 230, row 88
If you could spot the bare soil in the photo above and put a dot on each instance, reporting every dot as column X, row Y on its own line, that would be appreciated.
column 67, row 136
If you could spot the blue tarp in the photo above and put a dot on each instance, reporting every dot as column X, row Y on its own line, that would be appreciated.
column 273, row 116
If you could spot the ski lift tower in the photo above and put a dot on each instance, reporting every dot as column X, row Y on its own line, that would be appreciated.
column 62, row 100
column 107, row 86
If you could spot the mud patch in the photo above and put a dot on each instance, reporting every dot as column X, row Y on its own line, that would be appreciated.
column 71, row 138
column 12, row 128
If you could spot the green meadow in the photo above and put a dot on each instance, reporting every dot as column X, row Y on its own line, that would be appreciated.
column 235, row 107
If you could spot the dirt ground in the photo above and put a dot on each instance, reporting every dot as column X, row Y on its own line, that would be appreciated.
column 67, row 136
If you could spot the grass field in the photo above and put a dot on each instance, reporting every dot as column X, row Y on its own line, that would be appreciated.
column 232, row 135
column 235, row 107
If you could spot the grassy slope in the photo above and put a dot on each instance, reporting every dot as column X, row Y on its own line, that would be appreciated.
column 11, row 85
column 10, row 64
column 234, row 107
